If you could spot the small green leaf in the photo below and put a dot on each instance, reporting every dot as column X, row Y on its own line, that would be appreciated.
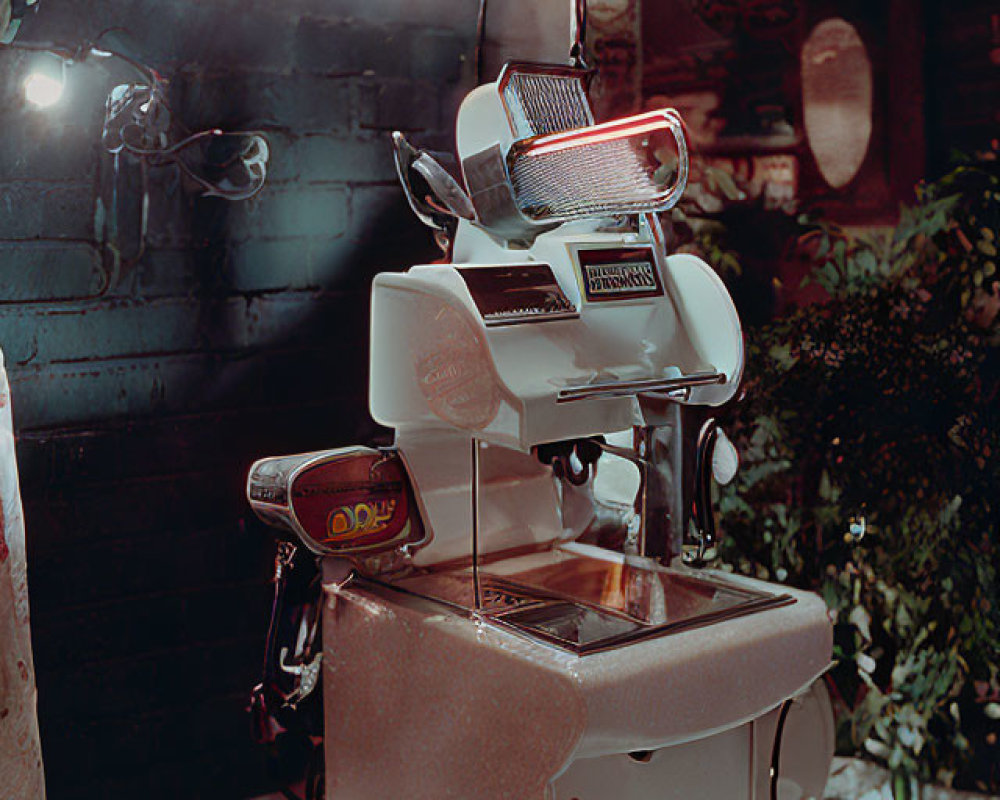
column 782, row 355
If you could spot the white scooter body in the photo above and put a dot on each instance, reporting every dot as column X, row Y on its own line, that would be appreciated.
column 497, row 652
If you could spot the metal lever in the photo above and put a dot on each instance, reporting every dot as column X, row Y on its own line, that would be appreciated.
column 704, row 518
column 307, row 674
column 667, row 386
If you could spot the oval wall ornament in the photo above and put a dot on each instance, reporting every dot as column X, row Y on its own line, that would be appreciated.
column 837, row 99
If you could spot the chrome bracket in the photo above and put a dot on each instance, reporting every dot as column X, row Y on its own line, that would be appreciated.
column 307, row 675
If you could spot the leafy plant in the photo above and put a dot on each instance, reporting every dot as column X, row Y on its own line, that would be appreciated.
column 869, row 437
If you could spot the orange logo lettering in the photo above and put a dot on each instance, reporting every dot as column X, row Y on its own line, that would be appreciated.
column 361, row 519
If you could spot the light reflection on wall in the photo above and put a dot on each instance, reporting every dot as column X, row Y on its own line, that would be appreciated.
column 837, row 99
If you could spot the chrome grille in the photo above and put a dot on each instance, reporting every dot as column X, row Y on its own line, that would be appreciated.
column 544, row 102
column 610, row 169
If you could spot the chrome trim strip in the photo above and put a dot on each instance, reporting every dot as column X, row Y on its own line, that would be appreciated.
column 521, row 319
column 623, row 388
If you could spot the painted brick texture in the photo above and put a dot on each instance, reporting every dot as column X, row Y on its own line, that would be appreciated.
column 143, row 389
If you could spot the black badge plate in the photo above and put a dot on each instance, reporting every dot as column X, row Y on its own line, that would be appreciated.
column 621, row 273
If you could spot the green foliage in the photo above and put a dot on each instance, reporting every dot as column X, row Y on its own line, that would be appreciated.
column 707, row 239
column 877, row 410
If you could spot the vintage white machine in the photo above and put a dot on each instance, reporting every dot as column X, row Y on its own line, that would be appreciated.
column 517, row 599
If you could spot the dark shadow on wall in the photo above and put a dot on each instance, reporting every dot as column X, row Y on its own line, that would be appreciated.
column 148, row 571
column 248, row 336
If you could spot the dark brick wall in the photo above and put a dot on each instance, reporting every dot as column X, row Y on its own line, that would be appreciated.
column 142, row 393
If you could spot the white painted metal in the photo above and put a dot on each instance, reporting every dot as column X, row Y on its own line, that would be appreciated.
column 449, row 703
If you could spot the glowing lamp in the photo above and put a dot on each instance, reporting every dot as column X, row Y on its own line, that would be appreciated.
column 42, row 90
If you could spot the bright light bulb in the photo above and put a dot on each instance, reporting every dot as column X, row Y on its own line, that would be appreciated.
column 42, row 90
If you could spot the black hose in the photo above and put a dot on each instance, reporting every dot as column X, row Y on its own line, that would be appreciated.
column 480, row 38
column 277, row 604
column 578, row 51
column 776, row 750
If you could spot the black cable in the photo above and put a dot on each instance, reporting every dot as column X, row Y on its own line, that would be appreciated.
column 79, row 53
column 579, row 47
column 480, row 39
column 269, row 669
column 776, row 750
